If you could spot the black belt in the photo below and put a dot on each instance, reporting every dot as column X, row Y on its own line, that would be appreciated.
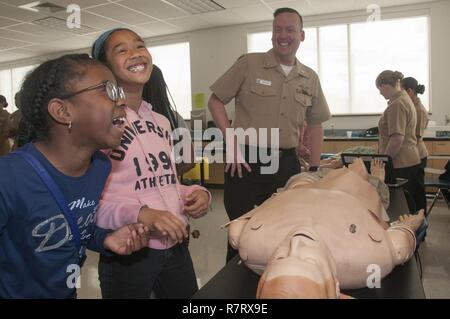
column 282, row 152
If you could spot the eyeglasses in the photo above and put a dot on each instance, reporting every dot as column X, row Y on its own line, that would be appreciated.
column 113, row 91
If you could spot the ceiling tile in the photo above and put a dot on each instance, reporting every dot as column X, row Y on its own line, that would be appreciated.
column 64, row 3
column 120, row 13
column 47, row 33
column 4, row 22
column 253, row 13
column 93, row 20
column 155, row 28
column 72, row 43
column 82, row 3
column 228, row 4
column 16, row 2
column 188, row 23
column 220, row 18
column 16, row 13
column 16, row 54
column 21, row 36
column 302, row 6
column 7, row 43
column 155, row 8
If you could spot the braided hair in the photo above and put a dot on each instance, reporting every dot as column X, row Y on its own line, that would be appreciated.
column 49, row 80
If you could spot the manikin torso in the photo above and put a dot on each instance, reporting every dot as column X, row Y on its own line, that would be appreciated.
column 341, row 212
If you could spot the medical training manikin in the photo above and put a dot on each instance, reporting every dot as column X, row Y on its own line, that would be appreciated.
column 321, row 234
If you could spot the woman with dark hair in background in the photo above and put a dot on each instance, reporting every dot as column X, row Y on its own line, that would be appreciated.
column 155, row 92
column 412, row 87
column 397, row 129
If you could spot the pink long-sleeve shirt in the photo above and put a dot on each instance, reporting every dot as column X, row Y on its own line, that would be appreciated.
column 143, row 173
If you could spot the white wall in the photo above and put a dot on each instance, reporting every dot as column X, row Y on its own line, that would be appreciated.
column 213, row 51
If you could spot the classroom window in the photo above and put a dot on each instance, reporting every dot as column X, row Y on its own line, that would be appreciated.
column 174, row 62
column 10, row 83
column 348, row 58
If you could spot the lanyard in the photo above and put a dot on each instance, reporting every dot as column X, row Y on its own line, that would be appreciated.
column 58, row 196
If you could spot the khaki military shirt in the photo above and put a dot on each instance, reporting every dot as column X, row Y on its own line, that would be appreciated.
column 400, row 118
column 266, row 98
column 4, row 132
column 422, row 123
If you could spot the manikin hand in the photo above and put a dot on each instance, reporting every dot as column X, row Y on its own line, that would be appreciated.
column 197, row 204
column 127, row 239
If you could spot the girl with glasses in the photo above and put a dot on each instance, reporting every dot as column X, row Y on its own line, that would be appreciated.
column 69, row 114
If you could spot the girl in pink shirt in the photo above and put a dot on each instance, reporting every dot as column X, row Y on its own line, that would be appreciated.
column 143, row 186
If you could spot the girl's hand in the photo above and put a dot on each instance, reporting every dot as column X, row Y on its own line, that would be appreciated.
column 197, row 204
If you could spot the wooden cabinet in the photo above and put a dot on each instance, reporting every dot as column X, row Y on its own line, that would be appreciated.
column 438, row 156
column 338, row 146
column 217, row 164
column 372, row 144
column 216, row 175
column 441, row 148
column 329, row 147
column 435, row 148
column 429, row 146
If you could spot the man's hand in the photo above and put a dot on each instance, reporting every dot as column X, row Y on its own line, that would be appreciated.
column 235, row 160
column 127, row 239
column 197, row 204
column 163, row 223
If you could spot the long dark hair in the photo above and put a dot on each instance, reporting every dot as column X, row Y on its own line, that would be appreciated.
column 155, row 92
column 49, row 80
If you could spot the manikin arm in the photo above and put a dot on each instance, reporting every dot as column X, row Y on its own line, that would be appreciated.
column 402, row 235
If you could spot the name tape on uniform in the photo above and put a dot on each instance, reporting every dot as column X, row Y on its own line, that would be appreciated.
column 264, row 82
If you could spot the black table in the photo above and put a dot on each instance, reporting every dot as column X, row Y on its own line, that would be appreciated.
column 236, row 281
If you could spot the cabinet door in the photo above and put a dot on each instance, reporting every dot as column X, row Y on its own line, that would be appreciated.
column 343, row 145
column 372, row 144
column 329, row 147
column 216, row 171
column 439, row 163
column 441, row 148
column 429, row 146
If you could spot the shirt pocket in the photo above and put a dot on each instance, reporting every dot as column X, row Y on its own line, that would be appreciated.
column 303, row 99
column 263, row 99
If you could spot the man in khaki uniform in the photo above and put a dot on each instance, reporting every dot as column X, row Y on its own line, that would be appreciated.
column 397, row 129
column 272, row 90
column 4, row 127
